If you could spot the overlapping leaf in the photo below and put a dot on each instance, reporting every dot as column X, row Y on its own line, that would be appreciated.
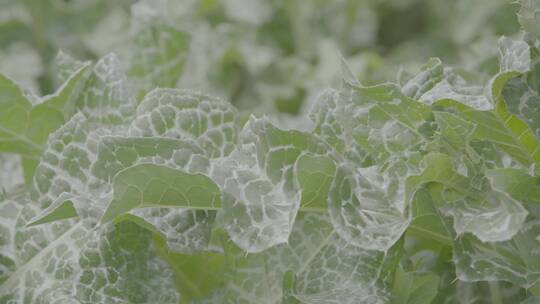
column 99, row 172
column 262, row 190
column 317, row 266
column 72, row 262
column 27, row 121
column 419, row 192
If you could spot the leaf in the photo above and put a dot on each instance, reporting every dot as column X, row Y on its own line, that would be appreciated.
column 514, row 260
column 487, row 292
column 261, row 191
column 333, row 124
column 439, row 168
column 516, row 183
column 410, row 287
column 159, row 48
column 315, row 175
column 521, row 96
column 11, row 173
column 65, row 162
column 69, row 261
column 16, row 111
column 427, row 221
column 418, row 191
column 454, row 87
column 57, row 211
column 102, row 155
column 386, row 122
column 496, row 218
column 66, row 65
column 371, row 212
column 527, row 17
column 490, row 215
column 148, row 185
column 455, row 130
column 319, row 281
column 190, row 116
column 514, row 60
column 504, row 130
column 116, row 153
column 197, row 275
column 106, row 98
column 317, row 266
column 431, row 73
column 185, row 231
column 25, row 123
column 366, row 200
column 362, row 210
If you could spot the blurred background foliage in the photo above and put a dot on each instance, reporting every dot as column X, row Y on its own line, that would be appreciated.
column 263, row 56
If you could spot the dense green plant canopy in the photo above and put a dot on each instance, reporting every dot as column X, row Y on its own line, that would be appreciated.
column 229, row 151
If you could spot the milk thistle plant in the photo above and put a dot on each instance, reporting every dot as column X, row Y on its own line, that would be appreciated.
column 265, row 152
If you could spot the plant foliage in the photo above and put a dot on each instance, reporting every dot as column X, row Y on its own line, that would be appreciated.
column 127, row 185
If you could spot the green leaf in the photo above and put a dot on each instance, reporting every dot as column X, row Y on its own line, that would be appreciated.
column 427, row 220
column 55, row 212
column 528, row 17
column 103, row 152
column 325, row 269
column 334, row 125
column 431, row 73
column 197, row 275
column 439, row 168
column 159, row 49
column 514, row 60
column 515, row 260
column 186, row 231
column 521, row 96
column 149, row 185
column 190, row 116
column 16, row 110
column 115, row 153
column 504, row 130
column 64, row 166
column 455, row 130
column 420, row 191
column 494, row 218
column 315, row 174
column 418, row 288
column 25, row 124
column 262, row 194
column 11, row 173
column 517, row 183
column 69, row 261
column 106, row 98
column 364, row 212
